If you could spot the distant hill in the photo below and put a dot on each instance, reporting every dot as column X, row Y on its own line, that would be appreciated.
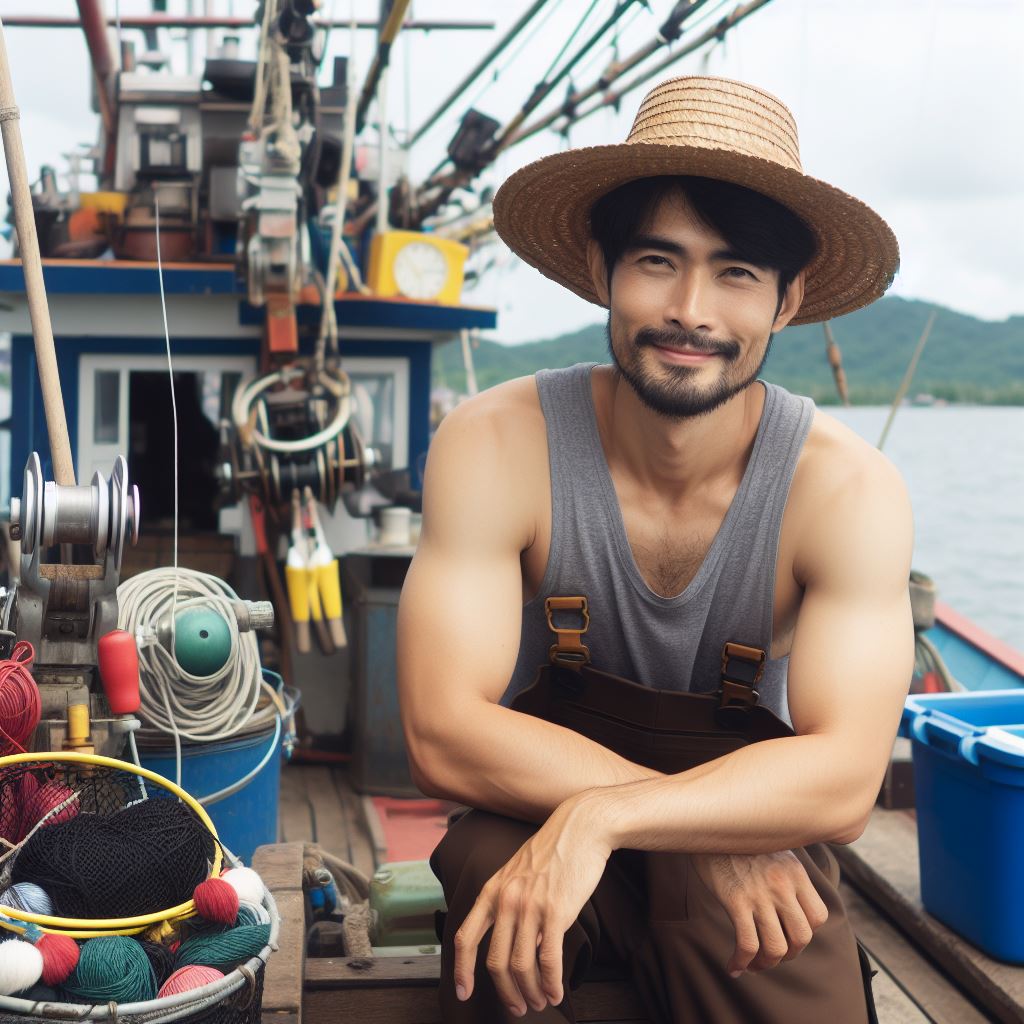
column 966, row 359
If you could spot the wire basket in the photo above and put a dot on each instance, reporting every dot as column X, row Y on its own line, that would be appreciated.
column 103, row 786
column 234, row 999
column 95, row 785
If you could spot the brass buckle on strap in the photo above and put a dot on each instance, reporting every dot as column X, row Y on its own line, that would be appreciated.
column 742, row 670
column 568, row 649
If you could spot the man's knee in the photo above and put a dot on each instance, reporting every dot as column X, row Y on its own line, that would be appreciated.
column 475, row 848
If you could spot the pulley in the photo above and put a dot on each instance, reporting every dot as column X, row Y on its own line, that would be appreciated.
column 103, row 514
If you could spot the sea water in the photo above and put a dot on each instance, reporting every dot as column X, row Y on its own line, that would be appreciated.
column 964, row 468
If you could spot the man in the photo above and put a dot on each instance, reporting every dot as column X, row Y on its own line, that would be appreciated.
column 693, row 505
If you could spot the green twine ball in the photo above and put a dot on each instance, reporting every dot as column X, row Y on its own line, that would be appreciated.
column 112, row 969
column 224, row 949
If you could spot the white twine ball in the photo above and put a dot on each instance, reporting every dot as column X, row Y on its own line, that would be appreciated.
column 246, row 883
column 21, row 966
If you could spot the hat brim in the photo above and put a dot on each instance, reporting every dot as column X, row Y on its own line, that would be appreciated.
column 542, row 212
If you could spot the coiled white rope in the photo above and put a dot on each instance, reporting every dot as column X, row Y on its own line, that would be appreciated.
column 196, row 708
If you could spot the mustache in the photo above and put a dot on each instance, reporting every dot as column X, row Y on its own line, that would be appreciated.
column 653, row 336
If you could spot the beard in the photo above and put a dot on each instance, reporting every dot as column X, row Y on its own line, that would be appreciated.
column 674, row 391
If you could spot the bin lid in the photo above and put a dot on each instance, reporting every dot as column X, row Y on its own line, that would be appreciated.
column 984, row 725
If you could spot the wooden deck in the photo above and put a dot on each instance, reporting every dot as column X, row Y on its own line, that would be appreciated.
column 925, row 972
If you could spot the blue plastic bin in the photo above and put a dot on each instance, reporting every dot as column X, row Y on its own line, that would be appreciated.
column 969, row 786
column 248, row 818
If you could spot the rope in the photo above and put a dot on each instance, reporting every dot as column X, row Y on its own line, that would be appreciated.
column 9, row 114
column 20, row 706
column 201, row 709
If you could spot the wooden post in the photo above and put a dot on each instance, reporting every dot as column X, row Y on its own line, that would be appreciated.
column 35, row 288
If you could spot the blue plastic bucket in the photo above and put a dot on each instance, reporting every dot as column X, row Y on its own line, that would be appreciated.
column 969, row 786
column 246, row 819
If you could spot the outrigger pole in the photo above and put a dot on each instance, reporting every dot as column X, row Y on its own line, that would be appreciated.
column 35, row 287
column 388, row 33
column 447, row 183
column 490, row 56
column 611, row 99
column 669, row 32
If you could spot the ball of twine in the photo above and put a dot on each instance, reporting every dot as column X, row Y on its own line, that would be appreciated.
column 27, row 896
column 184, row 979
column 247, row 883
column 60, row 957
column 21, row 966
column 112, row 969
column 224, row 949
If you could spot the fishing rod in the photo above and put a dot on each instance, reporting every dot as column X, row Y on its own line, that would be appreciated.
column 388, row 33
column 669, row 32
column 908, row 376
column 491, row 55
column 611, row 99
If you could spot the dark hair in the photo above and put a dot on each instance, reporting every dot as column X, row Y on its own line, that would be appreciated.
column 760, row 230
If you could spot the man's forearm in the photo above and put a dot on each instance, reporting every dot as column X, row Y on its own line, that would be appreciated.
column 769, row 796
column 514, row 764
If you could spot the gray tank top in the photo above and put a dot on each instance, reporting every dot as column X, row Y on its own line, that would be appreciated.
column 668, row 643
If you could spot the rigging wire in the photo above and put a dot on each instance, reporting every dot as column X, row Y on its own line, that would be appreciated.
column 572, row 38
column 611, row 98
column 487, row 59
column 673, row 27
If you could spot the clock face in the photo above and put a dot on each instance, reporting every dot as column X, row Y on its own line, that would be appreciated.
column 420, row 270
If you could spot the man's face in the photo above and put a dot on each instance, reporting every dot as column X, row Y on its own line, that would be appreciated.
column 690, row 322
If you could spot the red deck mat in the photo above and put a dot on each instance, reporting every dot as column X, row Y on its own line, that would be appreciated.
column 412, row 828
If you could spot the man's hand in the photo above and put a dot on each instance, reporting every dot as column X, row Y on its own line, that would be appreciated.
column 531, row 902
column 772, row 903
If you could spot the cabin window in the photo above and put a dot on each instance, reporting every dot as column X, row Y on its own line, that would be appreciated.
column 106, row 406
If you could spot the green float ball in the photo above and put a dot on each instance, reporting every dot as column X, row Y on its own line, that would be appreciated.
column 202, row 641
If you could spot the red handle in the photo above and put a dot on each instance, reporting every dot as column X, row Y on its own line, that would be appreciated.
column 119, row 670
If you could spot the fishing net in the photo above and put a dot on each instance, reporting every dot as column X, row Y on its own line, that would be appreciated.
column 115, row 848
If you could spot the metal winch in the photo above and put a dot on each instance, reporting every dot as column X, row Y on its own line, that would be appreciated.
column 63, row 609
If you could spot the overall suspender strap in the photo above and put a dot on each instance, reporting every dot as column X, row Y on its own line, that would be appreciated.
column 568, row 649
column 742, row 669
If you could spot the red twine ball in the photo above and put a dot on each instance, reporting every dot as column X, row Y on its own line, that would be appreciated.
column 216, row 901
column 20, row 706
column 186, row 978
column 60, row 957
column 44, row 800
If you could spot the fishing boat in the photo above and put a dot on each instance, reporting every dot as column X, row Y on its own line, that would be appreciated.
column 294, row 296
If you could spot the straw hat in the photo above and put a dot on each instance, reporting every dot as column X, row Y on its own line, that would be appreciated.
column 713, row 128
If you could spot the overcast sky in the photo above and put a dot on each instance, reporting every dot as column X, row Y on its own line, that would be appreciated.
column 914, row 106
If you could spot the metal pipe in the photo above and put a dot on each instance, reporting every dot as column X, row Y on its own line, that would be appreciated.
column 93, row 23
column 35, row 286
column 155, row 21
column 491, row 55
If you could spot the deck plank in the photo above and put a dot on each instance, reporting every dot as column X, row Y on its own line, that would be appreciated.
column 332, row 828
column 883, row 865
column 294, row 820
column 362, row 853
column 908, row 987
